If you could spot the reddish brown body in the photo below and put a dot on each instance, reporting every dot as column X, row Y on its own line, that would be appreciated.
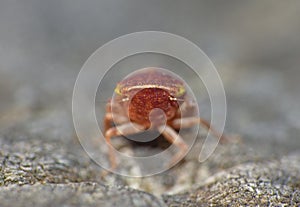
column 135, row 101
column 146, row 100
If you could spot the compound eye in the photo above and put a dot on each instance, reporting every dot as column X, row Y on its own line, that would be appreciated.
column 181, row 91
column 118, row 89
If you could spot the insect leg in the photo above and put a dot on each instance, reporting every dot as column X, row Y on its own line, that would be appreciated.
column 174, row 138
column 124, row 129
column 118, row 117
column 107, row 121
column 191, row 121
column 108, row 117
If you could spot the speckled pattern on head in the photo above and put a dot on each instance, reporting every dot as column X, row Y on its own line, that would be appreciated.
column 144, row 101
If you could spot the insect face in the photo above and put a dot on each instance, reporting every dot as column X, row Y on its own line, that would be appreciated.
column 148, row 89
column 146, row 100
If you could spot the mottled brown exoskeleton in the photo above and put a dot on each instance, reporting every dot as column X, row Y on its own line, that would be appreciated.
column 134, row 102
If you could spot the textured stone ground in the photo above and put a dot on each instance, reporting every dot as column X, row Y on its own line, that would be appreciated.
column 43, row 164
column 75, row 194
column 273, row 183
column 45, row 170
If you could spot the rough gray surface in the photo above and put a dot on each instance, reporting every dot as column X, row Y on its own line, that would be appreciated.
column 31, row 152
column 75, row 194
column 255, row 47
column 273, row 183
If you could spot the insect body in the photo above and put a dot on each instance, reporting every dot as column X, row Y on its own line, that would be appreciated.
column 151, row 98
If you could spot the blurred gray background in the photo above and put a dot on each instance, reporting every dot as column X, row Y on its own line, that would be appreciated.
column 255, row 46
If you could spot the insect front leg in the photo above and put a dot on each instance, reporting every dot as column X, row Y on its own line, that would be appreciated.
column 117, row 119
column 113, row 115
column 174, row 138
column 188, row 122
column 124, row 129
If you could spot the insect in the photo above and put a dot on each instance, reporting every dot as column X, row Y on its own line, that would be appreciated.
column 133, row 109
